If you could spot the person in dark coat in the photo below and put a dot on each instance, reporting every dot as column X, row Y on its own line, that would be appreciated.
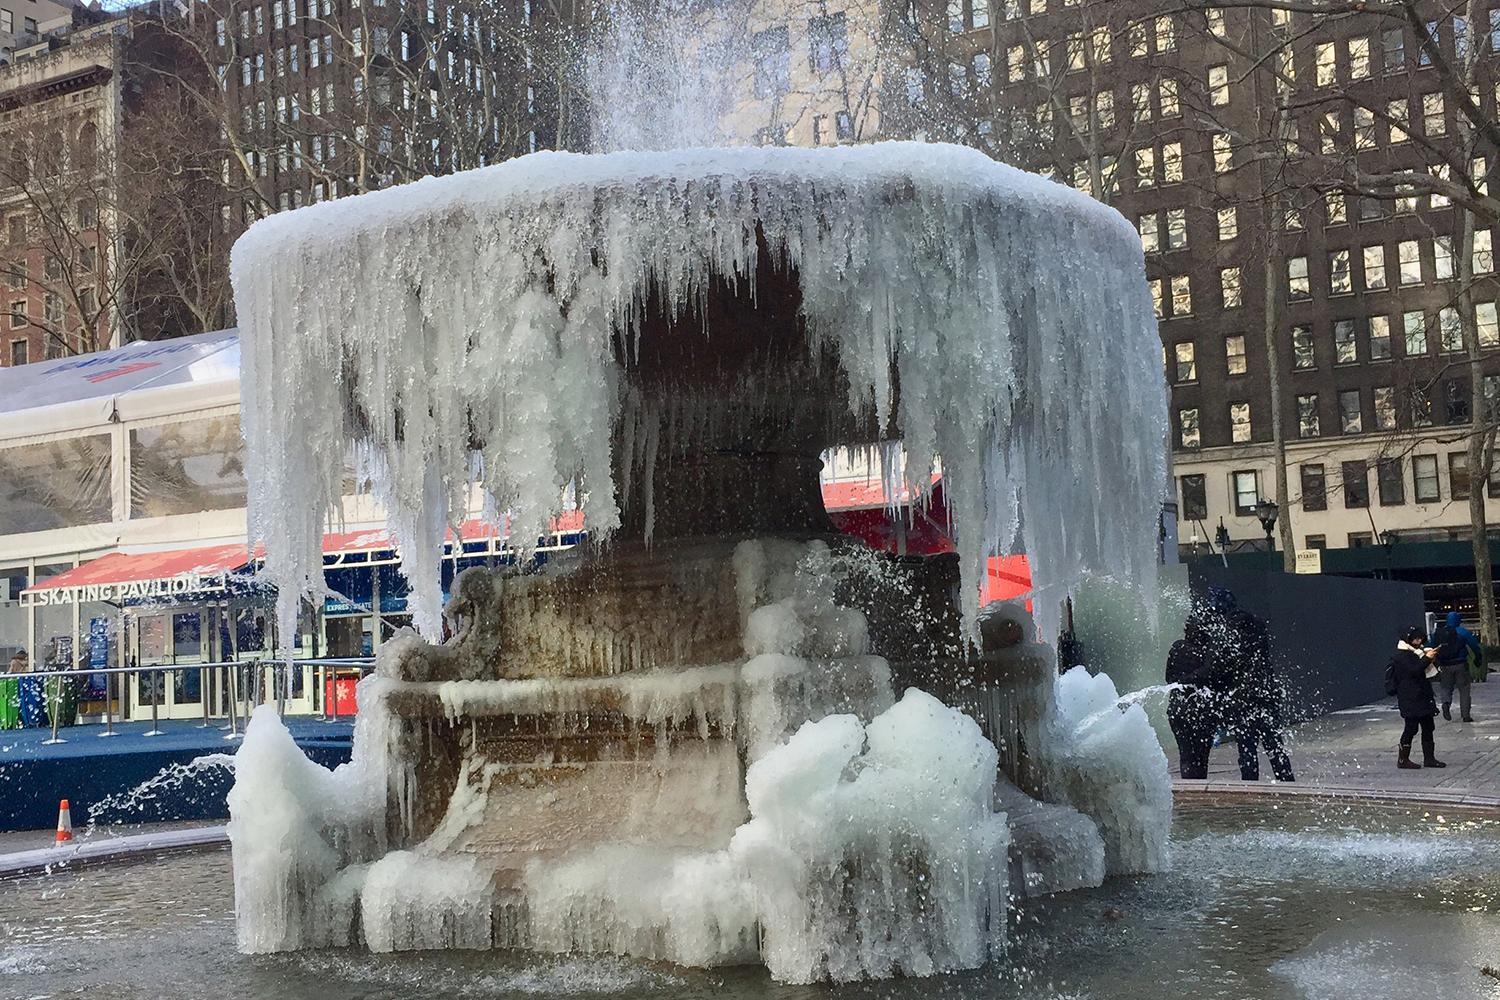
column 1412, row 671
column 1192, row 710
column 1253, row 698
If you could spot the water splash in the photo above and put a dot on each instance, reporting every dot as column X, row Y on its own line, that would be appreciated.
column 118, row 806
column 658, row 76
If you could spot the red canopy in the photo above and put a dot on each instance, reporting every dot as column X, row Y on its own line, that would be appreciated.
column 124, row 575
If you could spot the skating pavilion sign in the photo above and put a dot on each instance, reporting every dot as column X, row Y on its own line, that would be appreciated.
column 121, row 577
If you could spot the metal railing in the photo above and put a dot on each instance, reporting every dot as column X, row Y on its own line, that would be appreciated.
column 242, row 686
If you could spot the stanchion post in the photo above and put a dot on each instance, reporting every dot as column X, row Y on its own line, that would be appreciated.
column 233, row 672
column 109, row 719
column 155, row 702
column 56, row 705
column 204, row 690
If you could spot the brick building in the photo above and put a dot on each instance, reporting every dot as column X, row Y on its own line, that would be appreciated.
column 1173, row 118
column 60, row 107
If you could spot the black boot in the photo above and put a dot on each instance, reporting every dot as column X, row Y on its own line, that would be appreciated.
column 1429, row 755
column 1403, row 758
column 1448, row 710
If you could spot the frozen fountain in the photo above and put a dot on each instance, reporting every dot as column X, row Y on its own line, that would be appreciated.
column 720, row 732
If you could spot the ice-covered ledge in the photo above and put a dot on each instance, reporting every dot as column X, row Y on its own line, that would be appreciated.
column 495, row 311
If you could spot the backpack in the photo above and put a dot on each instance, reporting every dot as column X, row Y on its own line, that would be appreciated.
column 1390, row 679
column 1450, row 648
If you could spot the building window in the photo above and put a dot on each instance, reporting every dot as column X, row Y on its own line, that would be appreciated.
column 1390, row 482
column 1409, row 256
column 1102, row 40
column 19, row 352
column 1187, row 367
column 1442, row 257
column 1380, row 338
column 1421, row 406
column 1324, row 66
column 1434, row 121
column 1176, row 228
column 1304, row 357
column 1145, row 167
column 1424, row 472
column 1345, row 346
column 1349, row 411
column 1171, row 162
column 1229, row 224
column 1218, row 85
column 1194, row 497
column 1359, row 58
column 1364, row 129
column 1423, row 59
column 1182, row 295
column 1166, row 34
column 1187, row 428
column 1307, row 416
column 1340, row 277
column 773, row 62
column 1229, row 285
column 1399, row 114
column 1450, row 331
column 828, row 39
column 1223, row 153
column 1314, row 488
column 1456, row 401
column 1484, row 252
column 1234, row 355
column 1319, row 542
column 1239, row 423
column 1335, row 208
column 1356, row 480
column 1486, row 325
column 1375, row 278
column 1150, row 242
column 1458, row 475
column 1246, row 485
column 1415, row 327
column 1156, row 296
column 1297, row 285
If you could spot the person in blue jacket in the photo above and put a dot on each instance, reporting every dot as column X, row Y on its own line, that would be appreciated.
column 1453, row 643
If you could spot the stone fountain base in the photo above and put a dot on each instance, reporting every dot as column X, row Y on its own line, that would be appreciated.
column 695, row 753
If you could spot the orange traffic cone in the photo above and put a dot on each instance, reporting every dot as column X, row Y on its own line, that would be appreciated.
column 64, row 823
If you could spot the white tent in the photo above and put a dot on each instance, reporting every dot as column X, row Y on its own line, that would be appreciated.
column 139, row 381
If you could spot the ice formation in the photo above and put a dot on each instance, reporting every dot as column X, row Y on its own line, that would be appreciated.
column 478, row 309
column 687, row 745
column 1105, row 759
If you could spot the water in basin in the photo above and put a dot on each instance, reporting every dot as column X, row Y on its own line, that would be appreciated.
column 1262, row 903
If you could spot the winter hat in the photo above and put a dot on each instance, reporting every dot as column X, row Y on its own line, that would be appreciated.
column 1413, row 635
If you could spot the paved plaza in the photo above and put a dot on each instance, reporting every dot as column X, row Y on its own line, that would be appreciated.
column 1354, row 751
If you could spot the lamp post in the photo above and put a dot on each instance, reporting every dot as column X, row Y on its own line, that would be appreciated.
column 1221, row 538
column 1388, row 540
column 1266, row 511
